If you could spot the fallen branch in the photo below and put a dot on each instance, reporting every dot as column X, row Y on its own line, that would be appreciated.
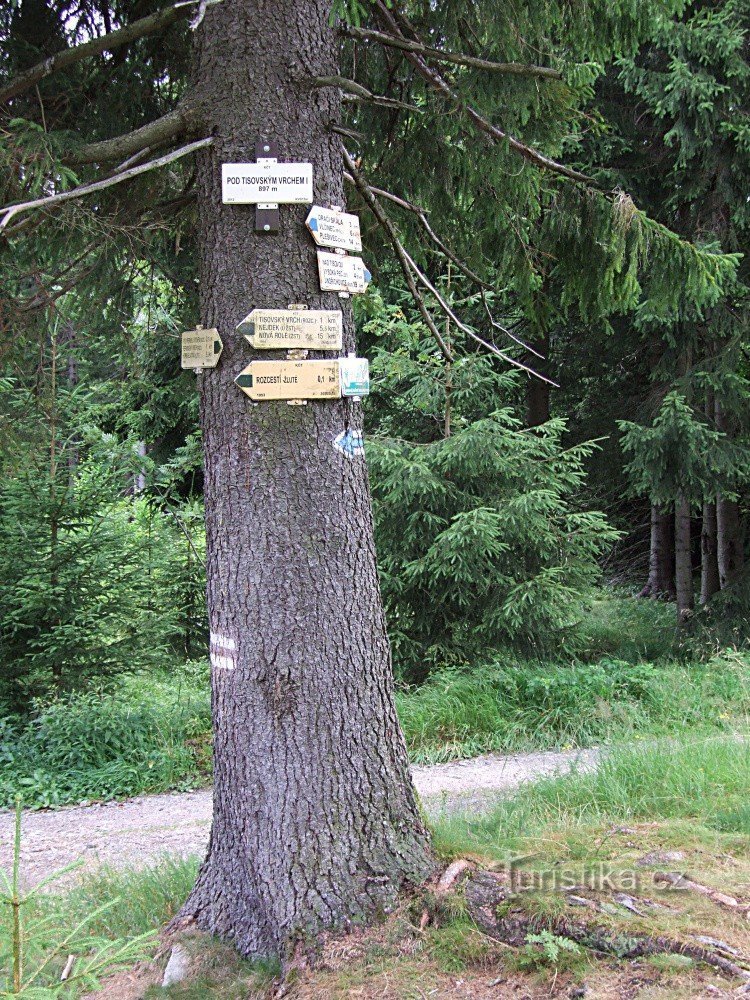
column 441, row 55
column 114, row 39
column 8, row 212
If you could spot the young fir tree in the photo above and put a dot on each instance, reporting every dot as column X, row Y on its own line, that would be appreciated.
column 315, row 821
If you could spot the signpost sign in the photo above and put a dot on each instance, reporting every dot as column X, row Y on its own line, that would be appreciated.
column 342, row 274
column 317, row 379
column 334, row 229
column 266, row 182
column 201, row 348
column 291, row 329
column 355, row 376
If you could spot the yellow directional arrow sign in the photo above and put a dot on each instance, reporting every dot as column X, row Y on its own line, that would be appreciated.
column 201, row 348
column 287, row 329
column 318, row 379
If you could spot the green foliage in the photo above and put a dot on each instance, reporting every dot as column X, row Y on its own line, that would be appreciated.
column 100, row 746
column 34, row 949
column 547, row 949
column 682, row 455
column 699, row 779
column 481, row 542
column 510, row 706
column 90, row 585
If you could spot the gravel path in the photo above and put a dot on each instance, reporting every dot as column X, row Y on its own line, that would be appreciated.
column 141, row 830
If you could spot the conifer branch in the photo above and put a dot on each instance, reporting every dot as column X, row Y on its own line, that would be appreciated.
column 179, row 122
column 8, row 212
column 441, row 55
column 150, row 25
column 440, row 84
column 411, row 270
column 358, row 92
column 390, row 230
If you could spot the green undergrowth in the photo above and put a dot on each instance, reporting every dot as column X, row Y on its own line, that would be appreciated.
column 151, row 731
column 510, row 707
column 701, row 780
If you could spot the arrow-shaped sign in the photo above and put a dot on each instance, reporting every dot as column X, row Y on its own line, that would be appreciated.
column 289, row 329
column 339, row 273
column 334, row 229
column 201, row 348
column 317, row 379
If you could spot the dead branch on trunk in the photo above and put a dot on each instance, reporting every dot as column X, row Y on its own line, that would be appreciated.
column 390, row 230
column 179, row 122
column 441, row 55
column 440, row 84
column 150, row 25
column 486, row 892
column 8, row 212
column 358, row 92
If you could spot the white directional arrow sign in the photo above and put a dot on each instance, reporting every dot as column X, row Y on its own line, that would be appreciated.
column 342, row 274
column 334, row 229
column 201, row 348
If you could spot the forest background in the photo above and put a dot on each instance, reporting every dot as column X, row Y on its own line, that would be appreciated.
column 563, row 559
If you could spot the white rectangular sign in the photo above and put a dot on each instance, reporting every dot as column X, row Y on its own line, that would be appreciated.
column 266, row 183
column 342, row 274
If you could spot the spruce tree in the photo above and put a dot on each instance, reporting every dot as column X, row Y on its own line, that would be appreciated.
column 316, row 824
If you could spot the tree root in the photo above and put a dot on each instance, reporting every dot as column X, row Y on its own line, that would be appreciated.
column 491, row 905
column 678, row 881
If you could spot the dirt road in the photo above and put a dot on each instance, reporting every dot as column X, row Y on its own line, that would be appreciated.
column 140, row 831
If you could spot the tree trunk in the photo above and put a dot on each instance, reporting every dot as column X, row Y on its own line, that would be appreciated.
column 731, row 556
column 538, row 392
column 316, row 823
column 709, row 560
column 683, row 560
column 661, row 555
column 729, row 542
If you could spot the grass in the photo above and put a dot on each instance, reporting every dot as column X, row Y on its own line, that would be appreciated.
column 703, row 780
column 645, row 799
column 152, row 732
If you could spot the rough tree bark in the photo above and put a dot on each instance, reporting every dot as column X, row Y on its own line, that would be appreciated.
column 315, row 822
column 729, row 543
column 661, row 555
column 683, row 560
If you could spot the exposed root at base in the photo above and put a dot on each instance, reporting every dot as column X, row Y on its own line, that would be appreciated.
column 486, row 893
